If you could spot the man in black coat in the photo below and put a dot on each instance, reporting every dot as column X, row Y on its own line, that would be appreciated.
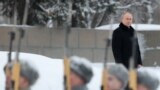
column 122, row 42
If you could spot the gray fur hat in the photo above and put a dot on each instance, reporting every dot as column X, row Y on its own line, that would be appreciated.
column 26, row 71
column 82, row 67
column 29, row 72
column 120, row 72
column 147, row 80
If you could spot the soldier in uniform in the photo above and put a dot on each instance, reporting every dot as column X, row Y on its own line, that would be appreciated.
column 146, row 82
column 28, row 77
column 81, row 73
column 117, row 77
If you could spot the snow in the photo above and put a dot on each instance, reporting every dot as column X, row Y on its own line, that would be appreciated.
column 51, row 72
column 153, row 48
column 46, row 67
column 138, row 27
column 18, row 26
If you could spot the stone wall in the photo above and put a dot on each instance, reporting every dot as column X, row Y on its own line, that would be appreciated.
column 82, row 42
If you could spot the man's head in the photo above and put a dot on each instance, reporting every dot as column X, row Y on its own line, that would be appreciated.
column 146, row 82
column 117, row 77
column 127, row 18
column 81, row 71
column 28, row 76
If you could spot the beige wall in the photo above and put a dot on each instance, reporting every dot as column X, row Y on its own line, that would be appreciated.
column 86, row 43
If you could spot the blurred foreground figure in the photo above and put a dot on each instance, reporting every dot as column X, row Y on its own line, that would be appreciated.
column 28, row 77
column 81, row 73
column 117, row 77
column 146, row 81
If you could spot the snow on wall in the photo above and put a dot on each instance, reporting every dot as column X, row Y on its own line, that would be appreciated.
column 138, row 27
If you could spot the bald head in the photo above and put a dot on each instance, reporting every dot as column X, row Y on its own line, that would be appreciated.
column 127, row 19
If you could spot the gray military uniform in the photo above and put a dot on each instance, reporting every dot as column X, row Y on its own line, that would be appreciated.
column 80, row 88
column 26, row 89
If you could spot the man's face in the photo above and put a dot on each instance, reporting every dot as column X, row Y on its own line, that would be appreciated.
column 127, row 19
column 113, row 83
column 23, row 82
column 141, row 87
column 75, row 79
column 8, row 81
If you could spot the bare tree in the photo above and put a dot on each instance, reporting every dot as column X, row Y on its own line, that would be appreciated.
column 85, row 13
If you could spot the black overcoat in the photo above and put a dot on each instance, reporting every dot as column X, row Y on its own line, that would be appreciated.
column 122, row 46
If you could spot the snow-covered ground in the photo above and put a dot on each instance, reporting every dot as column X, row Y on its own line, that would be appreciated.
column 138, row 27
column 51, row 72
